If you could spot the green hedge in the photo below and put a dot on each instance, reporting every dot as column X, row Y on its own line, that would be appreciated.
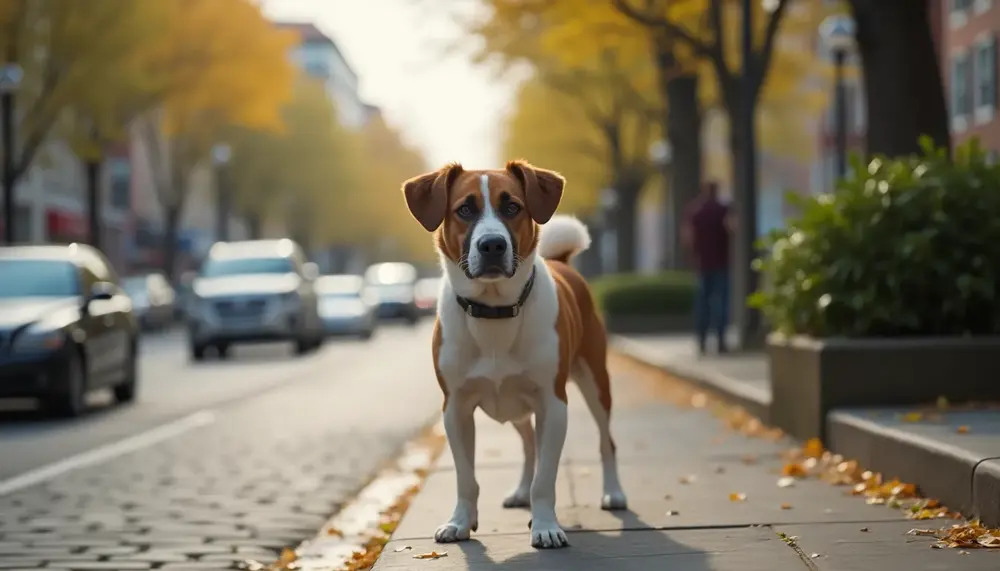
column 902, row 247
column 667, row 293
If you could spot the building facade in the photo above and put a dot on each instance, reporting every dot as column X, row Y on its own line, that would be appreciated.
column 969, row 66
column 319, row 57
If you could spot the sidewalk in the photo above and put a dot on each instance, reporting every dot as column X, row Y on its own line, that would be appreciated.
column 685, row 474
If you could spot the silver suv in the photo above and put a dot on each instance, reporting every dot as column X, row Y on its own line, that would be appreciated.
column 254, row 291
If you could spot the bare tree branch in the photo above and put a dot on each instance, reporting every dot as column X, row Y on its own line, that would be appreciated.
column 765, row 54
column 702, row 48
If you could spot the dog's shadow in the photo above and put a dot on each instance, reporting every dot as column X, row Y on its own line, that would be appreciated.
column 635, row 545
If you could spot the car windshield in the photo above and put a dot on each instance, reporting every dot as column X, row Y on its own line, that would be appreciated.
column 134, row 285
column 219, row 267
column 38, row 278
column 391, row 273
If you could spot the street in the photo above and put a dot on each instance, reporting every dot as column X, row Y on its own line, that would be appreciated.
column 217, row 461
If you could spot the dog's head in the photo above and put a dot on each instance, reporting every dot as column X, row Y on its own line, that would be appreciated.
column 485, row 221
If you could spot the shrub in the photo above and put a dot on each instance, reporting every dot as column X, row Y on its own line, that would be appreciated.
column 667, row 293
column 903, row 247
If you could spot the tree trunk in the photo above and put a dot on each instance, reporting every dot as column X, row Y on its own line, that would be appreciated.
column 625, row 225
column 902, row 77
column 683, row 122
column 92, row 171
column 254, row 225
column 172, row 223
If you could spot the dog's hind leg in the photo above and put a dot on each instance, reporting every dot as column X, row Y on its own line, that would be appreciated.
column 521, row 496
column 591, row 376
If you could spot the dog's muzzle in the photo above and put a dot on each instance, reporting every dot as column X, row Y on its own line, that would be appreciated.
column 494, row 255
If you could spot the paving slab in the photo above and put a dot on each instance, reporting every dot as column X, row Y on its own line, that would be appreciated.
column 746, row 549
column 739, row 377
column 433, row 506
column 658, row 499
column 845, row 547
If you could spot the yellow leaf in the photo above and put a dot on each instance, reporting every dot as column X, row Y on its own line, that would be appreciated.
column 963, row 429
column 287, row 555
column 737, row 497
column 913, row 417
column 786, row 506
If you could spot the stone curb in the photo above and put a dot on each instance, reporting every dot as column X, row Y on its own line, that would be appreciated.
column 959, row 478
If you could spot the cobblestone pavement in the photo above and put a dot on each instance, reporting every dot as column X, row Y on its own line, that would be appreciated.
column 265, row 475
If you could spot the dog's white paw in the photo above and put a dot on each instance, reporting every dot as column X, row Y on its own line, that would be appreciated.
column 518, row 499
column 454, row 531
column 548, row 535
column 614, row 501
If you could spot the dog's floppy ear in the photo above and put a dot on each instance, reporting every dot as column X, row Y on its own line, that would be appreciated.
column 542, row 189
column 427, row 195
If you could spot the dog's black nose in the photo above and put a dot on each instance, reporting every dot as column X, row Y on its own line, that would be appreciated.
column 492, row 245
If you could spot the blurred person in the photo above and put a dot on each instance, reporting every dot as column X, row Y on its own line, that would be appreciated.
column 706, row 234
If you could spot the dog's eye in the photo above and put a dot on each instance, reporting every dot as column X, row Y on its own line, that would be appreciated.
column 465, row 212
column 511, row 209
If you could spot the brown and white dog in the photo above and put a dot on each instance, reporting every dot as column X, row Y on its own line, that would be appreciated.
column 515, row 322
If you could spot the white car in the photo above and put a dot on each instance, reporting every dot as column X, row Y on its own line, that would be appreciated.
column 346, row 306
column 254, row 291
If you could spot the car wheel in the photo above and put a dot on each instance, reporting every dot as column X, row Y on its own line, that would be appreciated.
column 71, row 402
column 125, row 392
column 223, row 350
column 366, row 335
column 303, row 345
column 198, row 352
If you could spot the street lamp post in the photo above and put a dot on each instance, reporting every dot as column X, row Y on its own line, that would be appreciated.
column 837, row 33
column 609, row 236
column 221, row 155
column 10, row 80
column 661, row 155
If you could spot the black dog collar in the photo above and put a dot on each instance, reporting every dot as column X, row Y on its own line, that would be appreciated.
column 483, row 311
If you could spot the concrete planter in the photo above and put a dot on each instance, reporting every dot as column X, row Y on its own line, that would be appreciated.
column 810, row 377
column 632, row 324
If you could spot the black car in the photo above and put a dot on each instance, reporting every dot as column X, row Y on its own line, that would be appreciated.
column 65, row 327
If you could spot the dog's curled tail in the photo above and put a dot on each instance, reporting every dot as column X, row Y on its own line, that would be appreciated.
column 562, row 238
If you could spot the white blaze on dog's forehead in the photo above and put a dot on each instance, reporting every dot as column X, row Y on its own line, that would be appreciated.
column 484, row 189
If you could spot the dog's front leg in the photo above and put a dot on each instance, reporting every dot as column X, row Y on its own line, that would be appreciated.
column 551, row 435
column 460, row 427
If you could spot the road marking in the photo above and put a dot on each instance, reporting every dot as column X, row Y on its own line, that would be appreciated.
column 108, row 451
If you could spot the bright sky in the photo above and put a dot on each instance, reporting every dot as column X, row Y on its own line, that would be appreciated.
column 452, row 109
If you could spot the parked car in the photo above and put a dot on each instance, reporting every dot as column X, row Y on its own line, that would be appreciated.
column 66, row 327
column 346, row 306
column 426, row 291
column 153, row 300
column 254, row 291
column 392, row 284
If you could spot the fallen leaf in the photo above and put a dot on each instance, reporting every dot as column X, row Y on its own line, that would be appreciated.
column 786, row 506
column 689, row 479
column 673, row 512
column 737, row 497
column 794, row 470
column 402, row 548
column 963, row 429
column 431, row 555
column 334, row 531
column 699, row 400
column 287, row 555
column 813, row 448
column 913, row 417
column 668, row 497
column 720, row 470
column 786, row 482
column 921, row 532
column 865, row 529
column 813, row 555
column 749, row 459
